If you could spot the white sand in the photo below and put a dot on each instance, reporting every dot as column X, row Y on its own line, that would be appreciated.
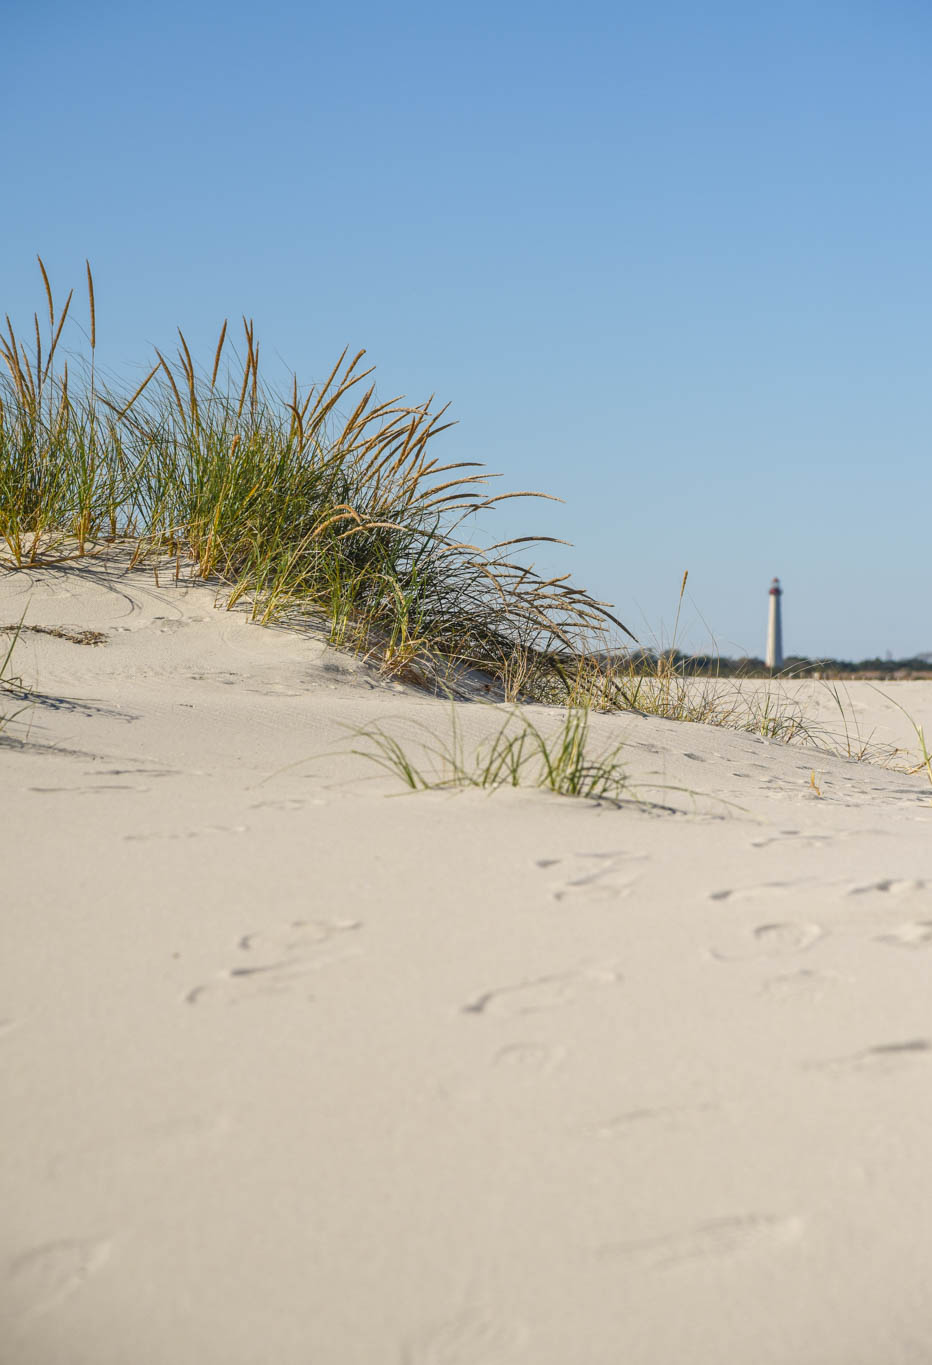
column 300, row 1073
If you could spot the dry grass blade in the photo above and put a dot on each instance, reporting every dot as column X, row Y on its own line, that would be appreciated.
column 121, row 412
column 57, row 333
column 217, row 354
column 48, row 292
column 91, row 305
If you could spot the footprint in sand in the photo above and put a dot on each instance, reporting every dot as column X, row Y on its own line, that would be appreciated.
column 155, row 1145
column 100, row 790
column 634, row 1121
column 595, row 876
column 888, row 886
column 771, row 940
column 271, row 961
column 809, row 839
column 471, row 1338
column 709, row 1241
column 797, row 837
column 806, row 985
column 541, row 993
column 134, row 772
column 882, row 1060
column 742, row 893
column 198, row 833
column 533, row 1059
column 228, row 679
column 918, row 935
column 42, row 1278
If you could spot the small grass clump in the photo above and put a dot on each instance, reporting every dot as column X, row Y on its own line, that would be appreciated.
column 925, row 754
column 925, row 764
column 10, row 686
column 327, row 505
column 660, row 686
column 519, row 754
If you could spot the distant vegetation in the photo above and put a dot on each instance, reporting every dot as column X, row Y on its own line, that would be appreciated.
column 794, row 666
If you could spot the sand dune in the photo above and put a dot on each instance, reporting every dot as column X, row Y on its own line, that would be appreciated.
column 297, row 1069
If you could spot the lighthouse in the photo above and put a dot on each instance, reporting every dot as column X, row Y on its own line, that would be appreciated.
column 774, row 658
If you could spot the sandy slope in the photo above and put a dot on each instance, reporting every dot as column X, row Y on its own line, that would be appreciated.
column 298, row 1072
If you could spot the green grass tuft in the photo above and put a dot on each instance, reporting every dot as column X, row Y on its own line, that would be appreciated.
column 518, row 755
column 11, row 686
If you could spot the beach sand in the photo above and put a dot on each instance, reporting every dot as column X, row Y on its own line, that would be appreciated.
column 297, row 1069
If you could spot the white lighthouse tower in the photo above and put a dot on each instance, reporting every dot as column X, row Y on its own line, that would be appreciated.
column 774, row 660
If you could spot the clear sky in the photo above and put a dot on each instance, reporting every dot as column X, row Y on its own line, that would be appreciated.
column 669, row 261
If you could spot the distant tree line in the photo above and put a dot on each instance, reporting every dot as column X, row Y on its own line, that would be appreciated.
column 794, row 666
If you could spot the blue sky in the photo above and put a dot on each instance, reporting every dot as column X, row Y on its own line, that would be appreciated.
column 670, row 262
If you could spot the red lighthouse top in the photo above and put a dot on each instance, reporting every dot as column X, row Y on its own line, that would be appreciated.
column 775, row 589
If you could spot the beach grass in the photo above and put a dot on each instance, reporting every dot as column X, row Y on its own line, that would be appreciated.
column 327, row 505
column 324, row 506
column 924, row 764
column 519, row 754
column 10, row 685
column 661, row 681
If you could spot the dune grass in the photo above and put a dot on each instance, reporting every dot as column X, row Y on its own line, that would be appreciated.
column 10, row 686
column 327, row 504
column 924, row 765
column 519, row 754
column 660, row 685
column 661, row 682
column 663, row 686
